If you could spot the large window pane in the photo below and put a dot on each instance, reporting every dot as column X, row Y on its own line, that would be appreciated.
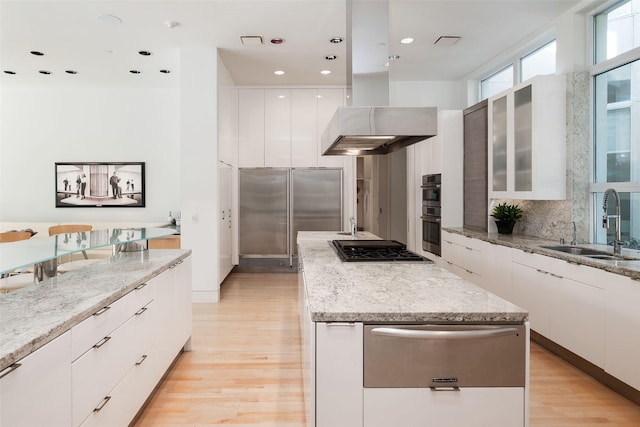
column 497, row 82
column 617, row 30
column 539, row 62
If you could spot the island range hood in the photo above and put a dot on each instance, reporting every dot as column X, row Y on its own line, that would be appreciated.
column 359, row 131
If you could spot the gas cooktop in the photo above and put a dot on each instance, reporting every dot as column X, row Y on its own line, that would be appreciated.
column 374, row 250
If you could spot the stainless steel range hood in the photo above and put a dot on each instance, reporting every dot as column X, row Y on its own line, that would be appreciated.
column 358, row 131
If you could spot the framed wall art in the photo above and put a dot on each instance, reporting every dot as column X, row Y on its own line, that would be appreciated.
column 100, row 184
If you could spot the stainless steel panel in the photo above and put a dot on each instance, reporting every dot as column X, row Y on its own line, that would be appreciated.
column 316, row 203
column 263, row 219
column 444, row 355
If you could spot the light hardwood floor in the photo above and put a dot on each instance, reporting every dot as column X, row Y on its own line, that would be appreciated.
column 244, row 369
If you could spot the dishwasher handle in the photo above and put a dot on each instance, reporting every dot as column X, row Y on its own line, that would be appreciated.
column 444, row 335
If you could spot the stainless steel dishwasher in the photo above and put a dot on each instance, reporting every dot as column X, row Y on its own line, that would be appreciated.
column 444, row 357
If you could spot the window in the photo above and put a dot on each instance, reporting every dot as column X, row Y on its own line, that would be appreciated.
column 541, row 61
column 617, row 123
column 497, row 82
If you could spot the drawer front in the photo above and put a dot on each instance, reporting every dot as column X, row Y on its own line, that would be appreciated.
column 85, row 334
column 139, row 297
column 419, row 407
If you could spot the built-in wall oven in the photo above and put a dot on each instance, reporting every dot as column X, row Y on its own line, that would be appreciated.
column 431, row 212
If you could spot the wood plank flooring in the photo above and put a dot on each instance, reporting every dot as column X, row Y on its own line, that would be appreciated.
column 244, row 369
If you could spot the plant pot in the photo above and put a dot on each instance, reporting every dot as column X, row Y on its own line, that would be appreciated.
column 505, row 227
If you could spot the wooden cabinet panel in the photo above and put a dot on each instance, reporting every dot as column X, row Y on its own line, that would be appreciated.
column 475, row 166
column 170, row 242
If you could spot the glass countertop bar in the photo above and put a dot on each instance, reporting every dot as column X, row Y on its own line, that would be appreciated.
column 15, row 255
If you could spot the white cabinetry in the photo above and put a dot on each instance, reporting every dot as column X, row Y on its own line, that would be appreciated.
column 328, row 102
column 530, row 288
column 622, row 320
column 464, row 256
column 36, row 391
column 304, row 124
column 527, row 140
column 225, row 248
column 251, row 130
column 498, row 270
column 277, row 128
column 423, row 407
column 339, row 374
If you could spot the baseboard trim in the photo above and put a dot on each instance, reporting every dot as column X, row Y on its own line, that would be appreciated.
column 588, row 368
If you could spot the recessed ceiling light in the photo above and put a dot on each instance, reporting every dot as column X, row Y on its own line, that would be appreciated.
column 278, row 72
column 9, row 72
column 71, row 72
column 134, row 71
column 165, row 71
column 45, row 72
column 36, row 53
column 277, row 40
column 144, row 52
column 447, row 40
column 251, row 40
column 281, row 97
column 325, row 72
column 330, row 57
column 171, row 24
column 109, row 19
column 336, row 40
column 407, row 40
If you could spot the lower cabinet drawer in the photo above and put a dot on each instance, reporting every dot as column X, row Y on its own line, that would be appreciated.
column 121, row 404
column 423, row 407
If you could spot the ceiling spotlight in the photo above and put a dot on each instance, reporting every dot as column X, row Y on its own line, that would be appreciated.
column 407, row 40
column 278, row 72
column 165, row 71
column 330, row 57
column 336, row 40
column 134, row 71
column 45, row 72
column 144, row 53
column 36, row 53
column 277, row 40
column 171, row 24
column 325, row 72
column 71, row 72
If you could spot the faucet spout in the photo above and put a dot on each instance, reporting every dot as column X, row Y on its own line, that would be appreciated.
column 617, row 243
column 574, row 241
column 352, row 220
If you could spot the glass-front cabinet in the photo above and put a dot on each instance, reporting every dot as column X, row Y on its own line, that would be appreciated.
column 527, row 134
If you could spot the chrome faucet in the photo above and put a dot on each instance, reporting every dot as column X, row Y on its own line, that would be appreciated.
column 617, row 243
column 574, row 241
column 352, row 220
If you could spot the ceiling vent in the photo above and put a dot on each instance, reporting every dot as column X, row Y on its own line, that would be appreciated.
column 251, row 40
column 447, row 40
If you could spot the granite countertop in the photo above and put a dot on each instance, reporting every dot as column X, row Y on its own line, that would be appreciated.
column 35, row 315
column 391, row 292
column 629, row 265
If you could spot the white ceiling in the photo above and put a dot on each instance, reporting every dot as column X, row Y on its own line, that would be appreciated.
column 72, row 38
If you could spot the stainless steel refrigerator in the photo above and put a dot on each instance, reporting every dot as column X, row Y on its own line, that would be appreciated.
column 276, row 203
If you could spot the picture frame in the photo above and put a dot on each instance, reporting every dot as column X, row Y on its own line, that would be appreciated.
column 100, row 184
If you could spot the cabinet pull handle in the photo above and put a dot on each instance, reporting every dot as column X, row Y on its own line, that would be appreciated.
column 454, row 388
column 142, row 310
column 556, row 276
column 341, row 324
column 142, row 359
column 468, row 248
column 102, row 342
column 9, row 369
column 102, row 310
column 140, row 286
column 101, row 405
column 542, row 271
column 443, row 334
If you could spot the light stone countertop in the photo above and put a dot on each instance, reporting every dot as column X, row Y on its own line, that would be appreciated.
column 35, row 315
column 409, row 292
column 629, row 267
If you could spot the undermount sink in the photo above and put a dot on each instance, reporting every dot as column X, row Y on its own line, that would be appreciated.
column 586, row 252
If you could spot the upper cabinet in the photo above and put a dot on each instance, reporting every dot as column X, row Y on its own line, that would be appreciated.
column 282, row 127
column 527, row 140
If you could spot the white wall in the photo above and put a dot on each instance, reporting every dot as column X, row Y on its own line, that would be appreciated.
column 446, row 95
column 44, row 126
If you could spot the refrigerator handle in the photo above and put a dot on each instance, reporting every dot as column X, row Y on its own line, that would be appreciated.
column 290, row 216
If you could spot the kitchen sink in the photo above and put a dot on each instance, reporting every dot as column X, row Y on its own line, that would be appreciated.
column 588, row 252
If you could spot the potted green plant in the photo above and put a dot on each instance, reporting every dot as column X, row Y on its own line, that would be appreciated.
column 506, row 216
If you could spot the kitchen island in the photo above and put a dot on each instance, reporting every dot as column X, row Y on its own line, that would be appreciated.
column 341, row 305
column 90, row 345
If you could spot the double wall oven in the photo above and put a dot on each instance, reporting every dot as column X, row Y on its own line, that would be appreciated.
column 431, row 209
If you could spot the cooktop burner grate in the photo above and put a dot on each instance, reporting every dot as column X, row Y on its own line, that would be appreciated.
column 374, row 250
